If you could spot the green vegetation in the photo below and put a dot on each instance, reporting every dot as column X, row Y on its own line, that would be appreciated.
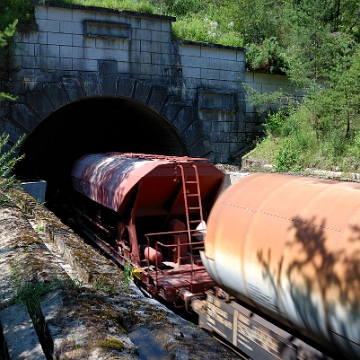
column 6, row 32
column 197, row 20
column 8, row 159
column 112, row 344
column 128, row 274
column 102, row 286
column 316, row 44
column 40, row 228
column 12, row 10
column 30, row 292
column 323, row 129
column 133, row 5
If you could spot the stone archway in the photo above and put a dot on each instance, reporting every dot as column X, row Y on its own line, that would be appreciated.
column 94, row 124
column 66, row 116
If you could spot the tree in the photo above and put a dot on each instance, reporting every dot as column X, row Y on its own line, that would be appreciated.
column 12, row 12
column 255, row 20
column 5, row 35
column 313, row 42
column 22, row 10
column 338, row 104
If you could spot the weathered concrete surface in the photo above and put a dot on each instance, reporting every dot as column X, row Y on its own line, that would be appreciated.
column 24, row 260
column 94, row 315
column 19, row 333
column 36, row 189
column 85, row 325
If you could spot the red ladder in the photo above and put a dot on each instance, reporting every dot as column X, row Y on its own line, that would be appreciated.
column 191, row 189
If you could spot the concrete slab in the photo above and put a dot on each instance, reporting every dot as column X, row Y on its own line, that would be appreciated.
column 20, row 336
column 36, row 189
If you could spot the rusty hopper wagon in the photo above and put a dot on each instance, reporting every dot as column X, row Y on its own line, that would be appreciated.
column 149, row 211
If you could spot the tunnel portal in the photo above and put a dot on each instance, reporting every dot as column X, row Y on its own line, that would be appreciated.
column 98, row 124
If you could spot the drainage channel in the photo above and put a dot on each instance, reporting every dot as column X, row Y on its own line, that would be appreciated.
column 54, row 250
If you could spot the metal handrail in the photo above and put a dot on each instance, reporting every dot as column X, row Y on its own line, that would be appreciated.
column 158, row 243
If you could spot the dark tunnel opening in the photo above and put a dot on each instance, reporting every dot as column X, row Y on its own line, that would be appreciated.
column 88, row 126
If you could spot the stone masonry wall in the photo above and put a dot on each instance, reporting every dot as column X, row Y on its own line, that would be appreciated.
column 76, row 38
column 74, row 52
column 214, row 75
column 263, row 83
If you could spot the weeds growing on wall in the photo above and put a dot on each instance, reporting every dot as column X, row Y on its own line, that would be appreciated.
column 267, row 57
column 132, row 5
column 31, row 293
column 204, row 30
column 209, row 24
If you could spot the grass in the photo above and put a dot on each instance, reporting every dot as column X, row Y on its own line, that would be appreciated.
column 128, row 274
column 206, row 27
column 196, row 21
column 111, row 344
column 294, row 145
column 133, row 5
column 204, row 30
column 40, row 228
column 102, row 286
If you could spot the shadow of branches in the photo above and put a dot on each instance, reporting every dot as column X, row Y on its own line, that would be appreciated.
column 317, row 282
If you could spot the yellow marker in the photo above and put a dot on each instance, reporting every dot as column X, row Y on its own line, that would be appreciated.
column 137, row 273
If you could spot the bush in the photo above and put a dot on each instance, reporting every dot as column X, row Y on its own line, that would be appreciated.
column 132, row 5
column 274, row 122
column 205, row 30
column 287, row 159
column 267, row 57
column 8, row 159
column 194, row 29
column 181, row 7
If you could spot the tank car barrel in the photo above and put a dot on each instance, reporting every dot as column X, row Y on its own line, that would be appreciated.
column 289, row 247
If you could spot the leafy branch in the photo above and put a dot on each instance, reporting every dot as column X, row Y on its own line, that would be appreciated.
column 7, row 162
column 5, row 35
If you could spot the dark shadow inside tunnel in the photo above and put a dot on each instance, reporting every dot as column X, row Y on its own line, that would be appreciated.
column 93, row 125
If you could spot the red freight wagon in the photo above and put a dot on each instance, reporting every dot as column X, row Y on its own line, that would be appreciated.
column 150, row 211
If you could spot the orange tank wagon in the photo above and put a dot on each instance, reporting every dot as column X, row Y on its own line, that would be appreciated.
column 288, row 247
